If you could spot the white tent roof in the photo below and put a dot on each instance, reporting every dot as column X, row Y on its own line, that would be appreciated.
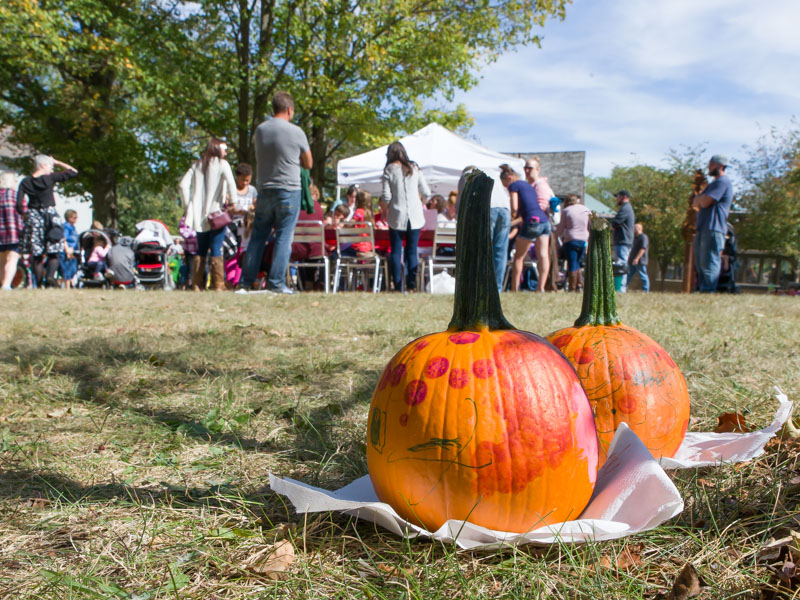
column 440, row 153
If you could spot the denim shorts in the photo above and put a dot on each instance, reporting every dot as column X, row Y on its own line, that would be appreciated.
column 9, row 247
column 531, row 231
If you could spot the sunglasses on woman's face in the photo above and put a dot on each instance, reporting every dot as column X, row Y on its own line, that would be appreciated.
column 527, row 168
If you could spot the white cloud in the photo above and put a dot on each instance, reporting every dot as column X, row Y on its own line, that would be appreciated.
column 630, row 77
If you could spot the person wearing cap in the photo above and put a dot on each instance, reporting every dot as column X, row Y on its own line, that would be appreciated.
column 713, row 204
column 622, row 226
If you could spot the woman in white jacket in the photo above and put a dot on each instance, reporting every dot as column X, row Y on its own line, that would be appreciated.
column 404, row 191
column 204, row 190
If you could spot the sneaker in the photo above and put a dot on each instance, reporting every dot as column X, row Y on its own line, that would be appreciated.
column 284, row 290
column 97, row 277
column 240, row 290
column 7, row 288
column 109, row 274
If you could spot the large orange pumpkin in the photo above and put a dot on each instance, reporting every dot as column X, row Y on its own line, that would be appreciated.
column 627, row 375
column 481, row 422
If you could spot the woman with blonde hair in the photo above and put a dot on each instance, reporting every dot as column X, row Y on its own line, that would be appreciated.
column 534, row 227
column 204, row 190
column 10, row 229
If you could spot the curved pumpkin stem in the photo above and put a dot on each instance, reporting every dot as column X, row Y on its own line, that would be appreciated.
column 599, row 299
column 477, row 302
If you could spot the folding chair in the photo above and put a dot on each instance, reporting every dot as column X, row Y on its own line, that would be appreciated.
column 311, row 232
column 443, row 237
column 351, row 233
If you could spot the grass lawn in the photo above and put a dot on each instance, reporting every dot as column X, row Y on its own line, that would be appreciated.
column 137, row 431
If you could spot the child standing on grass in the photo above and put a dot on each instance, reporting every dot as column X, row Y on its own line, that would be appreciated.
column 67, row 258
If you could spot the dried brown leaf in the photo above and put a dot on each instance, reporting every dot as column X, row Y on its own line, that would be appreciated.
column 731, row 422
column 631, row 556
column 272, row 561
column 59, row 412
column 687, row 585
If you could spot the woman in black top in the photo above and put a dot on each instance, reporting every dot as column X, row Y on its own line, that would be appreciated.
column 36, row 202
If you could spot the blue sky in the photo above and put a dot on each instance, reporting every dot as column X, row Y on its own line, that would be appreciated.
column 626, row 80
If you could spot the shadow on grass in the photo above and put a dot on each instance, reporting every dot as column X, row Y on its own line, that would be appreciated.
column 94, row 366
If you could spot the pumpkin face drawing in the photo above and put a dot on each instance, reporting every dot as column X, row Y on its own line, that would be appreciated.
column 481, row 422
column 627, row 376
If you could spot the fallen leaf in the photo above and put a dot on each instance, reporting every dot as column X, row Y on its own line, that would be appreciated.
column 315, row 303
column 59, row 412
column 272, row 561
column 731, row 422
column 631, row 556
column 687, row 585
column 277, row 333
column 36, row 503
column 705, row 483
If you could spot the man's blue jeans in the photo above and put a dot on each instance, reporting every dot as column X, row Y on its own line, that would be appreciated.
column 620, row 253
column 641, row 271
column 708, row 247
column 276, row 208
column 500, row 219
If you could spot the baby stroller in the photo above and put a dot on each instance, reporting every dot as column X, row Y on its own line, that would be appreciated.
column 151, row 246
column 86, row 275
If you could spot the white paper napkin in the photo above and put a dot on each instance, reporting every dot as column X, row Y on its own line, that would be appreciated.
column 632, row 494
column 706, row 448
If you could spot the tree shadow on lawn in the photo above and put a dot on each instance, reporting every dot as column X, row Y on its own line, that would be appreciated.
column 93, row 365
column 42, row 489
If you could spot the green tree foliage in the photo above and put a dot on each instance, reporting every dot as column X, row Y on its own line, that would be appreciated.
column 73, row 83
column 659, row 197
column 770, row 198
column 360, row 70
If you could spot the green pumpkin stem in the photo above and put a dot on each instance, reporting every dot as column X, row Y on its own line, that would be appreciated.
column 477, row 301
column 599, row 300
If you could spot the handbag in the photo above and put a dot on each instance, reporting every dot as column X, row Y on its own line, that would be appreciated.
column 219, row 219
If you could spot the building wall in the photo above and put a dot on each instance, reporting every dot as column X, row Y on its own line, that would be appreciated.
column 564, row 170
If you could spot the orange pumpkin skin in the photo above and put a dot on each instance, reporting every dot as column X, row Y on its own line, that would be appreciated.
column 489, row 426
column 628, row 377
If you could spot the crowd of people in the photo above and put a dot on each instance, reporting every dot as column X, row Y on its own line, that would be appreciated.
column 232, row 232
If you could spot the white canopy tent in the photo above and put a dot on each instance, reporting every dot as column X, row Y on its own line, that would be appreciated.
column 441, row 154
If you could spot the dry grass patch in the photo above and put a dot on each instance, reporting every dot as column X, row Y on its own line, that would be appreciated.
column 137, row 431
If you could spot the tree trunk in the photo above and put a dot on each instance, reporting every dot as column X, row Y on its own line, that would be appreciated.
column 104, row 195
column 319, row 147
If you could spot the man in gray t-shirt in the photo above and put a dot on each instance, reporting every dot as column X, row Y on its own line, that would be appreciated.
column 281, row 151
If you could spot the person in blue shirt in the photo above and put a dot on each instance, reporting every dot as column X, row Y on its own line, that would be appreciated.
column 534, row 227
column 68, row 257
column 713, row 204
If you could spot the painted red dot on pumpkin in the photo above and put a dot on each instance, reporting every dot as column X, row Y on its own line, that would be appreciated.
column 626, row 405
column 416, row 391
column 419, row 346
column 483, row 368
column 397, row 374
column 384, row 377
column 465, row 337
column 459, row 378
column 584, row 356
column 403, row 419
column 436, row 367
column 562, row 340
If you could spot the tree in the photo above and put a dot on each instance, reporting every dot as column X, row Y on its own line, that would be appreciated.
column 360, row 70
column 770, row 197
column 659, row 197
column 72, row 84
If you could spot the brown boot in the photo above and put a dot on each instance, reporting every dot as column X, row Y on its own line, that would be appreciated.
column 198, row 274
column 217, row 268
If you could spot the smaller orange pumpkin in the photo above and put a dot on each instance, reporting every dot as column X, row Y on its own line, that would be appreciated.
column 627, row 376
